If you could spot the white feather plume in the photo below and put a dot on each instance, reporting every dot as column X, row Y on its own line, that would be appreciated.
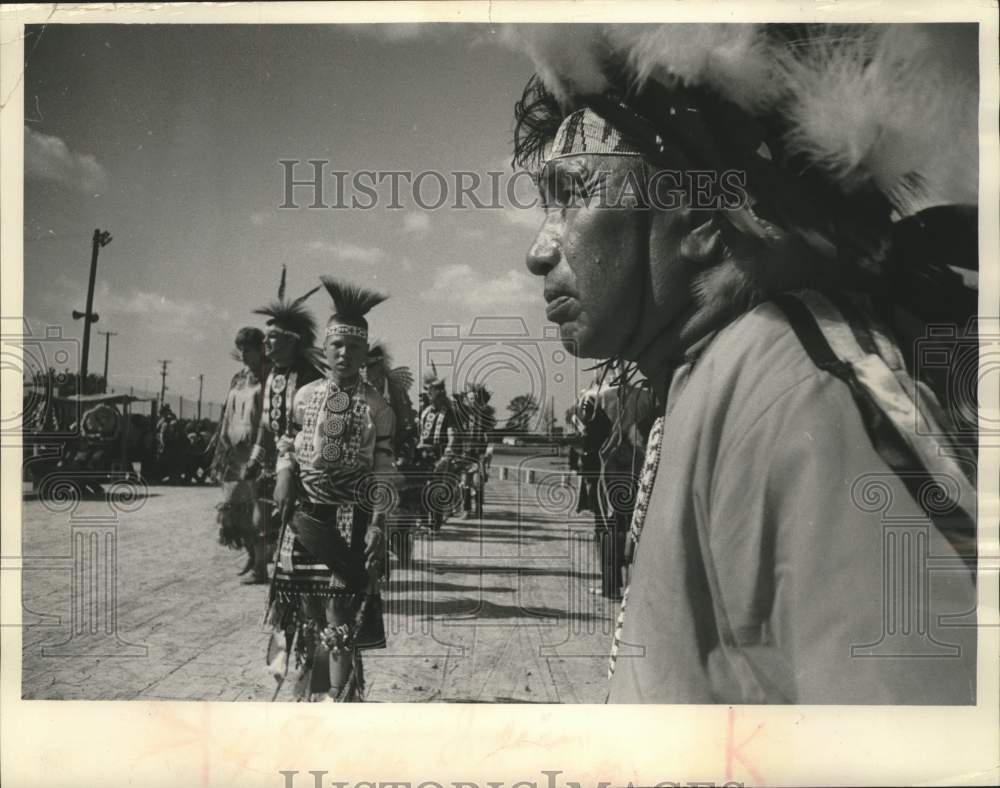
column 886, row 104
column 733, row 59
column 568, row 58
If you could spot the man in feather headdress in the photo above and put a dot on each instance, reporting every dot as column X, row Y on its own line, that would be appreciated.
column 335, row 485
column 290, row 342
column 766, row 318
column 393, row 383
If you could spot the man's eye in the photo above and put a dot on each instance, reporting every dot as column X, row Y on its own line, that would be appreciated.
column 575, row 189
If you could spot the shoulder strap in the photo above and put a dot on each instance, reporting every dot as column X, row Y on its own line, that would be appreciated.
column 886, row 411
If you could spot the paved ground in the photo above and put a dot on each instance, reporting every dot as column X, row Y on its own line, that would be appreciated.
column 490, row 611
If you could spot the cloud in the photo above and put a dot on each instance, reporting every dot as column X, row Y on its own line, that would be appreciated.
column 48, row 158
column 177, row 312
column 522, row 207
column 416, row 222
column 166, row 314
column 523, row 217
column 347, row 252
column 462, row 282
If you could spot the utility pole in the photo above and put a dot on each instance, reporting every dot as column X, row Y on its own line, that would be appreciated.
column 201, row 381
column 100, row 239
column 163, row 374
column 107, row 351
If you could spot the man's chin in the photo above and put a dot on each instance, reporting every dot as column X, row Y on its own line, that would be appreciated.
column 576, row 339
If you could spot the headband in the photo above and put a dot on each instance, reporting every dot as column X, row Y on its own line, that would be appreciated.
column 584, row 131
column 344, row 329
column 272, row 327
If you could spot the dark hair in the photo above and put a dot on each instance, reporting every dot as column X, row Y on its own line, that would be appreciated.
column 537, row 116
column 249, row 336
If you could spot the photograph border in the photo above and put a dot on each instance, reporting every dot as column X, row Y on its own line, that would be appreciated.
column 158, row 743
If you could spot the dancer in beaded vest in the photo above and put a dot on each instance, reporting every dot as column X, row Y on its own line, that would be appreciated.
column 335, row 484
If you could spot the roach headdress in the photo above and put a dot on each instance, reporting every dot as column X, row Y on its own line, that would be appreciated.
column 350, row 305
column 291, row 316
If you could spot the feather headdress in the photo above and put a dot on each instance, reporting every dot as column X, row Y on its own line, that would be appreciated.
column 890, row 107
column 431, row 379
column 351, row 302
column 479, row 393
column 394, row 384
column 291, row 316
column 379, row 365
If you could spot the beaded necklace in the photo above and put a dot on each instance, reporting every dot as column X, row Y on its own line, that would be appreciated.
column 650, row 465
column 338, row 438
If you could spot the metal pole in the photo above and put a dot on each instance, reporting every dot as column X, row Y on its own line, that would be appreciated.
column 100, row 239
column 95, row 246
column 201, row 381
column 163, row 374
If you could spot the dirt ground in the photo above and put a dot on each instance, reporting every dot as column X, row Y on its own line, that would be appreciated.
column 139, row 601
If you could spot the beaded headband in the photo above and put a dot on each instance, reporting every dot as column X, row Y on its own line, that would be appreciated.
column 344, row 329
column 584, row 131
column 272, row 328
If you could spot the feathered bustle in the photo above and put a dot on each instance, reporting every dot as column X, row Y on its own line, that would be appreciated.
column 378, row 355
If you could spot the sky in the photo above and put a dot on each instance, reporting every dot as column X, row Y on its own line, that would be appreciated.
column 170, row 138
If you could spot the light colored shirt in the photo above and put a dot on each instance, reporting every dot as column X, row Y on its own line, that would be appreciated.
column 764, row 572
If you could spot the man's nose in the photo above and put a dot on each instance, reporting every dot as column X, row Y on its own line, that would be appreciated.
column 544, row 253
